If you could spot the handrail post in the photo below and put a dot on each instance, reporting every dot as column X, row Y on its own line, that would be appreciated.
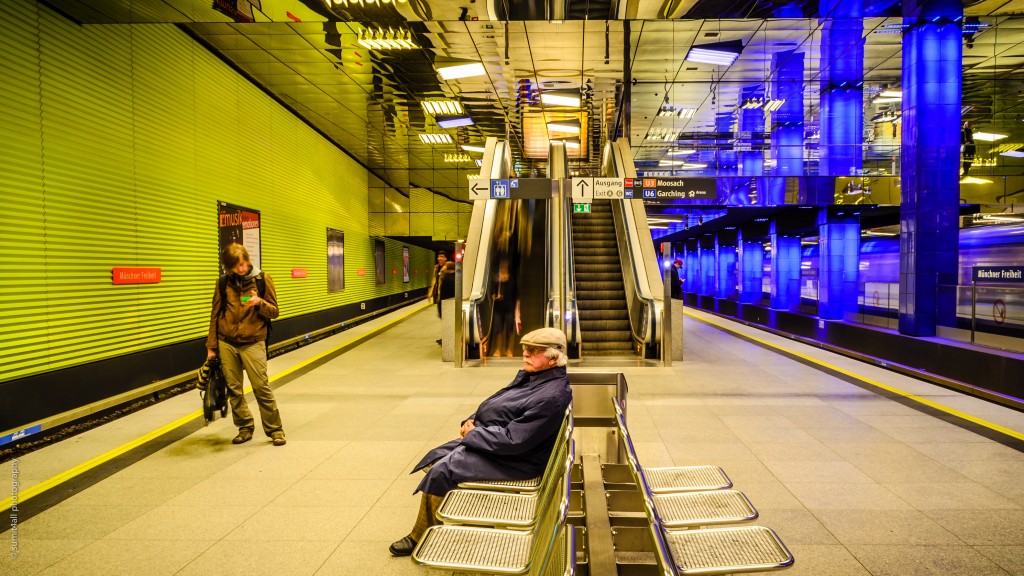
column 666, row 309
column 563, row 268
column 460, row 337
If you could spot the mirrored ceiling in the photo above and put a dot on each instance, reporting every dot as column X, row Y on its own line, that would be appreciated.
column 379, row 77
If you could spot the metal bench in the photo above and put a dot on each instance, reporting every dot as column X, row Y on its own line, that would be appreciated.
column 705, row 551
column 500, row 551
column 521, row 486
column 507, row 509
column 676, row 478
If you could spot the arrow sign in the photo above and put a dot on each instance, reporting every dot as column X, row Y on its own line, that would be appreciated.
column 582, row 188
column 479, row 190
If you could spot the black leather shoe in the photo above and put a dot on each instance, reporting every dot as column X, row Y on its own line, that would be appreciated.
column 403, row 547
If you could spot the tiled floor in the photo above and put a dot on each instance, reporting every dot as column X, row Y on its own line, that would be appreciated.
column 855, row 483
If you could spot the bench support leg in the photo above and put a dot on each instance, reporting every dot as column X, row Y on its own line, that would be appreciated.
column 599, row 531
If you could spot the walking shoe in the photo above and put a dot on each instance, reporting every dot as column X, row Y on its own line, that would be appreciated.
column 278, row 438
column 244, row 435
column 403, row 547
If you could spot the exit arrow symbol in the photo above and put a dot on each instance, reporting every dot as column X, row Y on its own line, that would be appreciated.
column 582, row 184
column 474, row 188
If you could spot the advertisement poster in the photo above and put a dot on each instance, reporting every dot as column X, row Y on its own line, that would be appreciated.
column 405, row 264
column 378, row 260
column 239, row 225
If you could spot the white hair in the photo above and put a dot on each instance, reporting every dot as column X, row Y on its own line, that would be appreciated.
column 557, row 355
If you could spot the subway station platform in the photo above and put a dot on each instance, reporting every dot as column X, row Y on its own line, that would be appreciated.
column 861, row 471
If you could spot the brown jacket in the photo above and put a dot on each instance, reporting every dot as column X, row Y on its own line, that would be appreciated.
column 241, row 324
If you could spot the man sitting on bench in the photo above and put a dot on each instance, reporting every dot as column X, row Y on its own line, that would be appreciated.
column 509, row 437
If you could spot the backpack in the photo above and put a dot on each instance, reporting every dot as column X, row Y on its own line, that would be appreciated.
column 261, row 289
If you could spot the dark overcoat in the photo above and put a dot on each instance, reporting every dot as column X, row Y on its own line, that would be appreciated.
column 515, row 431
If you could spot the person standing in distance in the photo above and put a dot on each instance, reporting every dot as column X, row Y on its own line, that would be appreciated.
column 239, row 323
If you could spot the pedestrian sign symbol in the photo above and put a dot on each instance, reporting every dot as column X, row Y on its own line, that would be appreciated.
column 581, row 208
column 499, row 189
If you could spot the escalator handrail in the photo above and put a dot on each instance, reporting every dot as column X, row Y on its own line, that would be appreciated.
column 641, row 290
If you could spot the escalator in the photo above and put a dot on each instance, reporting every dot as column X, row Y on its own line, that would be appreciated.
column 600, row 291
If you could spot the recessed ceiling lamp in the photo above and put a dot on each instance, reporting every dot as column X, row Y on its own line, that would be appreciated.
column 381, row 39
column 436, row 138
column 717, row 53
column 1006, row 147
column 1013, row 153
column 771, row 105
column 457, row 158
column 571, row 142
column 442, row 107
column 453, row 121
column 988, row 136
column 682, row 112
column 681, row 152
column 456, row 71
column 470, row 148
column 751, row 103
column 973, row 180
column 693, row 166
column 571, row 126
column 560, row 98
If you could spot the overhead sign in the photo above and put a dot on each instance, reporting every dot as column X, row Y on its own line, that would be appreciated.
column 608, row 188
column 582, row 189
column 998, row 273
column 668, row 188
column 581, row 208
column 511, row 189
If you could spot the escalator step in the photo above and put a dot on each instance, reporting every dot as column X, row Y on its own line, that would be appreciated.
column 605, row 315
column 600, row 304
column 617, row 332
column 590, row 347
column 589, row 285
column 590, row 295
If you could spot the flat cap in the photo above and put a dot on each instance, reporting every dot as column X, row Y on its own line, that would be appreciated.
column 546, row 337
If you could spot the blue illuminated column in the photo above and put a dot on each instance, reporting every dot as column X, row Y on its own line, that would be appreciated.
column 787, row 123
column 726, row 164
column 838, row 263
column 725, row 258
column 751, row 270
column 750, row 162
column 707, row 265
column 785, row 270
column 929, row 158
column 692, row 282
column 842, row 96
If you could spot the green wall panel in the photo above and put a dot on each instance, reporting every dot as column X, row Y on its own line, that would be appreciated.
column 120, row 142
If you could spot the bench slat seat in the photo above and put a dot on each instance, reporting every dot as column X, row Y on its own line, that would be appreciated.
column 690, row 509
column 727, row 550
column 498, row 509
column 477, row 549
column 686, row 478
column 528, row 485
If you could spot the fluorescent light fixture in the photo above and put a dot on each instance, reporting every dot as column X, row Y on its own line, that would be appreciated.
column 436, row 138
column 457, row 158
column 885, row 117
column 897, row 94
column 560, row 98
column 663, row 135
column 973, row 180
column 1005, row 147
column 773, row 105
column 461, row 71
column 988, row 136
column 751, row 103
column 469, row 148
column 693, row 166
column 717, row 53
column 681, row 151
column 454, row 121
column 442, row 107
column 570, row 142
column 479, row 162
column 1012, row 154
column 670, row 110
column 570, row 126
column 381, row 39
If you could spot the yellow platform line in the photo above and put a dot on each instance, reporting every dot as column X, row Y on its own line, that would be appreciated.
column 54, row 481
column 931, row 404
